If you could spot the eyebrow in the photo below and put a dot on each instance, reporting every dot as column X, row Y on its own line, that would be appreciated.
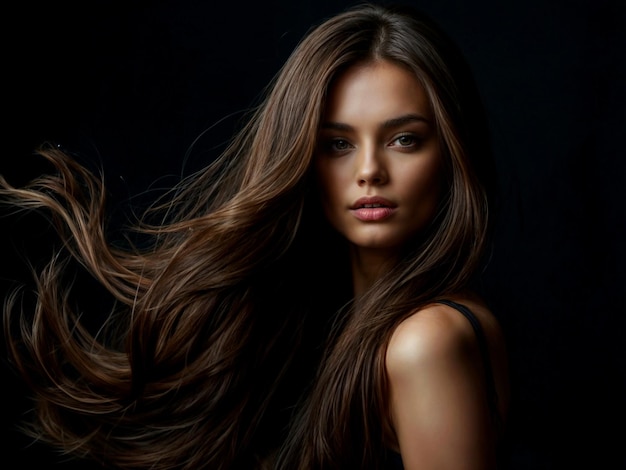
column 388, row 124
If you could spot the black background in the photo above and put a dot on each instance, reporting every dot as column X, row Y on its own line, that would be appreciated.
column 134, row 85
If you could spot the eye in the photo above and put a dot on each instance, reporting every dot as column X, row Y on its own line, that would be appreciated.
column 339, row 145
column 406, row 140
column 334, row 145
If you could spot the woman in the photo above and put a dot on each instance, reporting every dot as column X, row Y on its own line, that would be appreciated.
column 305, row 301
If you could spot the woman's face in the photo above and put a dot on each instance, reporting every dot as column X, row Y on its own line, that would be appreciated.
column 378, row 162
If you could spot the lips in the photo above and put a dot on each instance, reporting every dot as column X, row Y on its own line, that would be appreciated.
column 372, row 209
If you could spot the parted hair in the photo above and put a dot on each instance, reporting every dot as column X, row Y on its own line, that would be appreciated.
column 232, row 339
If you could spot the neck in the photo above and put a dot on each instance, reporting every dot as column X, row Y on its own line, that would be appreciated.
column 367, row 267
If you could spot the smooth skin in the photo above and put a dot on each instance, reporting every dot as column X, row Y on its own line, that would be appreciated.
column 378, row 141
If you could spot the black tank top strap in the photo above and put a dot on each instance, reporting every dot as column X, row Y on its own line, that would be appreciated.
column 492, row 395
column 393, row 459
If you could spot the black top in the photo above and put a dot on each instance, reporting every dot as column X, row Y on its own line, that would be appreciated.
column 394, row 460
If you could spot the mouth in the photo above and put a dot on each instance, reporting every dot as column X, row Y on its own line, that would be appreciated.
column 373, row 209
column 372, row 203
column 370, row 206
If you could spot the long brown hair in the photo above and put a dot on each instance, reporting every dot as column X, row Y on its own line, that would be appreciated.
column 343, row 422
column 198, row 362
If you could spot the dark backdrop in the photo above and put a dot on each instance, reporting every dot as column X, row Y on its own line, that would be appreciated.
column 134, row 85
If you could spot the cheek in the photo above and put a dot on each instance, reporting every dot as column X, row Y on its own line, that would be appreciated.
column 434, row 184
column 329, row 181
column 331, row 187
column 325, row 188
column 425, row 187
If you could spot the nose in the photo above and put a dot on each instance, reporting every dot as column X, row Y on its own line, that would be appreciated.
column 370, row 168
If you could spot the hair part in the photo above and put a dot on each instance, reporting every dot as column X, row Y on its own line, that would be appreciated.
column 344, row 421
column 211, row 316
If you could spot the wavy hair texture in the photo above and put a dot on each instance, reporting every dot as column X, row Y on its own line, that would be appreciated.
column 198, row 365
column 344, row 421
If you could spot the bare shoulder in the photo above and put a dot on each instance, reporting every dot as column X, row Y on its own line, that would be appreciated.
column 439, row 336
column 439, row 387
column 433, row 333
column 441, row 329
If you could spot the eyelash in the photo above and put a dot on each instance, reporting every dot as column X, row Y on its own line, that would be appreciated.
column 415, row 140
column 332, row 145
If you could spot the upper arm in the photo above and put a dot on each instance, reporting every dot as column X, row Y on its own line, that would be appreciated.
column 437, row 393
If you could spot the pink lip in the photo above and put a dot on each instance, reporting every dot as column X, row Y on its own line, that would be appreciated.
column 372, row 209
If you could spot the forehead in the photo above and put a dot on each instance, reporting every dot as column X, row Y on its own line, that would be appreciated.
column 379, row 88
